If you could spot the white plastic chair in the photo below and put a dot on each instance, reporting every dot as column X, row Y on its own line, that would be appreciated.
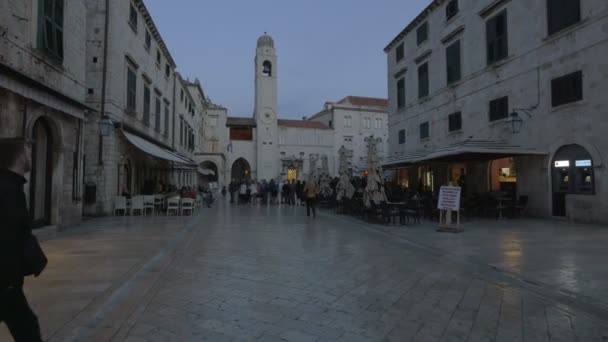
column 187, row 205
column 173, row 205
column 149, row 203
column 120, row 203
column 137, row 203
column 158, row 203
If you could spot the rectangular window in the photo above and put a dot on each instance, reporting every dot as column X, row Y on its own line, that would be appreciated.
column 148, row 40
column 158, row 58
column 147, row 104
column 167, row 70
column 181, row 95
column 451, row 9
column 157, row 113
column 401, row 93
column 566, row 89
column 401, row 136
column 400, row 52
column 497, row 38
column 499, row 108
column 51, row 28
column 424, row 130
column 455, row 122
column 166, row 131
column 452, row 55
column 348, row 121
column 367, row 123
column 422, row 33
column 133, row 17
column 423, row 80
column 131, row 88
column 562, row 14
column 378, row 123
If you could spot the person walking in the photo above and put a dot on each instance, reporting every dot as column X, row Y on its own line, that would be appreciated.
column 273, row 191
column 233, row 189
column 311, row 191
column 292, row 192
column 299, row 193
column 15, row 230
column 243, row 190
column 253, row 193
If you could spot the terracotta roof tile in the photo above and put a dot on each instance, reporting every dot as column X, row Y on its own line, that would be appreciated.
column 302, row 124
column 364, row 101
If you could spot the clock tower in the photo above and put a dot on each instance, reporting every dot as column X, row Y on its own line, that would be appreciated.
column 265, row 112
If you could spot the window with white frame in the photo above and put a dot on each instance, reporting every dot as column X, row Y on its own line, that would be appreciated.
column 367, row 122
column 348, row 121
column 378, row 123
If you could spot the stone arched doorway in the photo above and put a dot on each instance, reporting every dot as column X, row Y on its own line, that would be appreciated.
column 42, row 173
column 209, row 165
column 571, row 173
column 241, row 170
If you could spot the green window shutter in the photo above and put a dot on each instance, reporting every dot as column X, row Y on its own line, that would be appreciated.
column 147, row 105
column 453, row 62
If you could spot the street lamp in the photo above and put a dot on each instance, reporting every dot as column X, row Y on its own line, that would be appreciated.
column 105, row 126
column 516, row 120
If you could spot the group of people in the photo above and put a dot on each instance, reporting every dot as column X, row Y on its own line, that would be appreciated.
column 269, row 193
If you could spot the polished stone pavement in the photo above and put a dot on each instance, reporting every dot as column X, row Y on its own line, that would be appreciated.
column 271, row 274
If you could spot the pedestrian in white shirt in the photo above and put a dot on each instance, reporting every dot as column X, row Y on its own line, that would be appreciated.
column 253, row 188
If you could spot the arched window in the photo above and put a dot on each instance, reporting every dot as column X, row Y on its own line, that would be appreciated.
column 267, row 68
column 573, row 171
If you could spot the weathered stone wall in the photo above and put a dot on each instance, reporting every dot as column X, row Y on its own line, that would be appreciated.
column 525, row 76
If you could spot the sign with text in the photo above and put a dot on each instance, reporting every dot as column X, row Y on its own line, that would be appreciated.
column 449, row 198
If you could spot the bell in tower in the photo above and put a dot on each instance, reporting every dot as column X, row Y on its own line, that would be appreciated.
column 267, row 68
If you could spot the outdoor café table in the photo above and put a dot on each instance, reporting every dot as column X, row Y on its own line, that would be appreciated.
column 400, row 206
column 501, row 207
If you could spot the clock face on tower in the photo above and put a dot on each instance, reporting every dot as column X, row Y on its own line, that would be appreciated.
column 267, row 117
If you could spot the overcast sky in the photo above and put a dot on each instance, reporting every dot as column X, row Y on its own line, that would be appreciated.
column 327, row 49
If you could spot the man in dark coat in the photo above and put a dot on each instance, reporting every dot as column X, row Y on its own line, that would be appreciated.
column 15, row 225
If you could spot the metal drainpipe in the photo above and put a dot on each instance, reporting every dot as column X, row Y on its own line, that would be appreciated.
column 104, row 76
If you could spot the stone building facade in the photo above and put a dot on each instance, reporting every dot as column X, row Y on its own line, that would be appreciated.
column 132, row 84
column 504, row 95
column 354, row 119
column 42, row 98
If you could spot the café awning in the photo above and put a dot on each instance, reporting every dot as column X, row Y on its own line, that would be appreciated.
column 477, row 150
column 157, row 151
column 466, row 151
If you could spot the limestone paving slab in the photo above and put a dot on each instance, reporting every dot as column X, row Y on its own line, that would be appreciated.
column 271, row 274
